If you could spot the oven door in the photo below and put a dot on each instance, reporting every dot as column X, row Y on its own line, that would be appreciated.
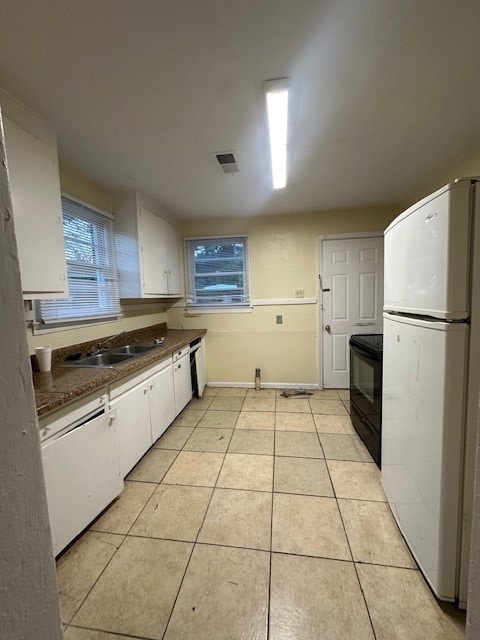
column 366, row 385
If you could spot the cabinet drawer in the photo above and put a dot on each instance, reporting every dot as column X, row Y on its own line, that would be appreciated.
column 63, row 419
column 180, row 353
column 121, row 386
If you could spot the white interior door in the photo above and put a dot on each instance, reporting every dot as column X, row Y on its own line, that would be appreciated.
column 352, row 283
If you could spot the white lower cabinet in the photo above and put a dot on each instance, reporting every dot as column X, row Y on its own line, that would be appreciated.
column 145, row 406
column 88, row 449
column 133, row 425
column 182, row 381
column 162, row 401
column 82, row 471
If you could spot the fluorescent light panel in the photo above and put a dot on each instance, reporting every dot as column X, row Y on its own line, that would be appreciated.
column 277, row 111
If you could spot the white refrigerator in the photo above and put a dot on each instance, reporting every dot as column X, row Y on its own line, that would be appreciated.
column 431, row 379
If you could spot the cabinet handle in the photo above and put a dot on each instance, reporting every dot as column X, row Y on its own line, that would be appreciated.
column 179, row 366
column 145, row 390
column 151, row 385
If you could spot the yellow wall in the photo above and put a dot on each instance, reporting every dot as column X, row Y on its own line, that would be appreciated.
column 79, row 186
column 466, row 165
column 283, row 257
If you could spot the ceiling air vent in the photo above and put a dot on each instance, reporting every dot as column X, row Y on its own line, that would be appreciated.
column 227, row 162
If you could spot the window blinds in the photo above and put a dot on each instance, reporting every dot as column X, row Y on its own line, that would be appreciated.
column 91, row 269
column 217, row 270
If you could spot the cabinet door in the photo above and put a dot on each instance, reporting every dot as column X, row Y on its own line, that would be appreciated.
column 82, row 477
column 173, row 260
column 133, row 425
column 153, row 253
column 162, row 401
column 37, row 212
column 182, row 379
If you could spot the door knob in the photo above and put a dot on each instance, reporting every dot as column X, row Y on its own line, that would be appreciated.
column 327, row 328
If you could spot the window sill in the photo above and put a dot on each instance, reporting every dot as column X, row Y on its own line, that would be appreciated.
column 198, row 311
column 40, row 329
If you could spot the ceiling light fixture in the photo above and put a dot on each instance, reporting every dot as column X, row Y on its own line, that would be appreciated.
column 276, row 92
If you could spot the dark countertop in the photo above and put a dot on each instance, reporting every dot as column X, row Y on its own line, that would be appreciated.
column 64, row 384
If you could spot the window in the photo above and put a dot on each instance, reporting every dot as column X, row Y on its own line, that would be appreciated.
column 217, row 273
column 91, row 268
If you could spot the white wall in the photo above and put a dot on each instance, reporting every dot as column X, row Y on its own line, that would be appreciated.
column 28, row 601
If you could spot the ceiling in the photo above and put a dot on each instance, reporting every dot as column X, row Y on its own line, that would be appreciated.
column 141, row 93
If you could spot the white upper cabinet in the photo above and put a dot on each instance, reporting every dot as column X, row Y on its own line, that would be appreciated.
column 32, row 161
column 148, row 249
column 153, row 253
column 174, row 276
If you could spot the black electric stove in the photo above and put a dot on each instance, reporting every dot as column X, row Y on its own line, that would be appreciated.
column 366, row 355
column 371, row 343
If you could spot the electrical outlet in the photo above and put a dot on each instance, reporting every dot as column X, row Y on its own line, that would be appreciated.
column 279, row 319
column 299, row 293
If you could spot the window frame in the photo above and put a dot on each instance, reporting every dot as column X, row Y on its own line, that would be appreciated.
column 47, row 325
column 217, row 307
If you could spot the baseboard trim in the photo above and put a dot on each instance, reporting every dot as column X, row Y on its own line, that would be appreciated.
column 265, row 385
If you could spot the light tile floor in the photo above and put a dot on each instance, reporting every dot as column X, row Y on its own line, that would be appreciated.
column 252, row 517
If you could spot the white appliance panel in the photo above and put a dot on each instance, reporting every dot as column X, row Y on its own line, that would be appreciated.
column 82, row 476
column 422, row 437
column 427, row 256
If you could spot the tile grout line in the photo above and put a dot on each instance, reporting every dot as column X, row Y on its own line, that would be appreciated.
column 269, row 610
column 205, row 514
column 356, row 573
column 120, row 635
column 283, row 553
column 351, row 553
column 100, row 574
column 195, row 542
column 252, row 453
column 124, row 538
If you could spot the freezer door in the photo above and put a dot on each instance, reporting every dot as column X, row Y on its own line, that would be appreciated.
column 427, row 256
column 422, row 437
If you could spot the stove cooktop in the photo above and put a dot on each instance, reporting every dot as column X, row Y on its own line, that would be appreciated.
column 372, row 343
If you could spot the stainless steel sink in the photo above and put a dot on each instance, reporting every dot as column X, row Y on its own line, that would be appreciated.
column 112, row 357
column 133, row 349
column 106, row 360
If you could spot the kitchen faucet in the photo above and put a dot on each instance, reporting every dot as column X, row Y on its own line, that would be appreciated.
column 105, row 344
